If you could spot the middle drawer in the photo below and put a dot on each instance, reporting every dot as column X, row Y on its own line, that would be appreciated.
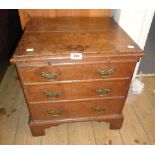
column 76, row 90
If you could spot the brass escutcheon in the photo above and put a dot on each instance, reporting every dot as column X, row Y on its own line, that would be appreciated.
column 103, row 91
column 52, row 93
column 55, row 112
column 99, row 109
column 49, row 76
column 105, row 72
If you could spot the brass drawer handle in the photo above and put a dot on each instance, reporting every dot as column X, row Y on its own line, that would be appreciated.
column 55, row 112
column 103, row 91
column 52, row 93
column 105, row 72
column 50, row 76
column 99, row 109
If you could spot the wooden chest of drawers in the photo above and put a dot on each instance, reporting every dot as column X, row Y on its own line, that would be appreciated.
column 75, row 69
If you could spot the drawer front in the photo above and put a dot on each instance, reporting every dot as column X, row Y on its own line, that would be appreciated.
column 75, row 90
column 76, row 72
column 47, row 111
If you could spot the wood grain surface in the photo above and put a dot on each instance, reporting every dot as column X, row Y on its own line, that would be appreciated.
column 26, row 15
column 93, row 37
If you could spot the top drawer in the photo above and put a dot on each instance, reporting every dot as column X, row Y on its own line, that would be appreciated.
column 76, row 72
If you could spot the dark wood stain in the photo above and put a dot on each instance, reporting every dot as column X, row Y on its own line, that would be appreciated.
column 2, row 111
column 137, row 141
column 76, row 47
column 12, row 111
column 110, row 142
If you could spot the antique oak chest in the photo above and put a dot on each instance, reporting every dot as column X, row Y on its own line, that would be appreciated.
column 75, row 69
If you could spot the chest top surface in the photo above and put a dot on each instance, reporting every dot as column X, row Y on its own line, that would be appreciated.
column 50, row 37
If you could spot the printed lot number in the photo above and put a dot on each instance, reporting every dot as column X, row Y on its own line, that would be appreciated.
column 76, row 56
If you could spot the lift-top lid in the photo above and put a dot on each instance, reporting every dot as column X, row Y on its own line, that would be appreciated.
column 51, row 37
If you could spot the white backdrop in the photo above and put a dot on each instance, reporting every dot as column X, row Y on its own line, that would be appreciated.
column 136, row 22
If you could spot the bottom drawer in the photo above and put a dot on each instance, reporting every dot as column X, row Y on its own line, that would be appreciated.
column 71, row 109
